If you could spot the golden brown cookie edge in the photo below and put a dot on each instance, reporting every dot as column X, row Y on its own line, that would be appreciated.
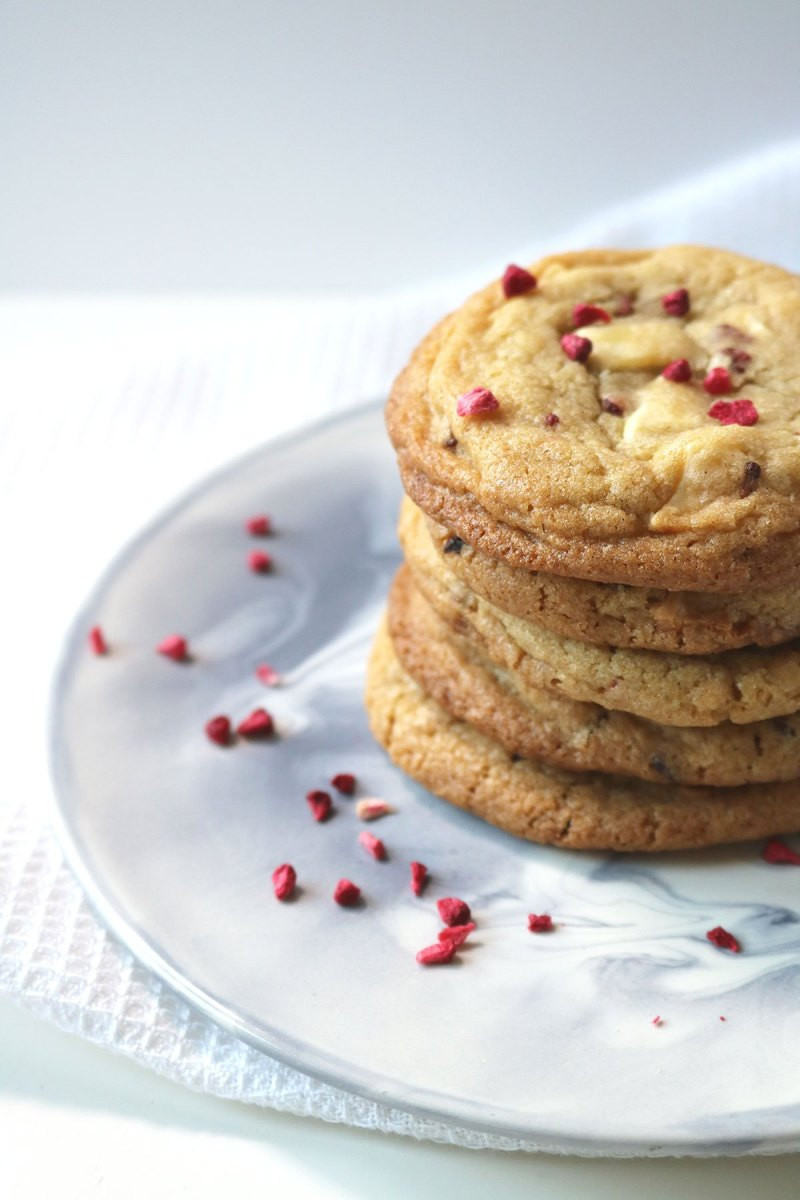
column 550, row 806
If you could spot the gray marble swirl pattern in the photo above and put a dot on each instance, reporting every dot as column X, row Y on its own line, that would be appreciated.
column 549, row 1038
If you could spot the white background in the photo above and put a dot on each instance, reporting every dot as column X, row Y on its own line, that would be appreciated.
column 342, row 146
column 339, row 144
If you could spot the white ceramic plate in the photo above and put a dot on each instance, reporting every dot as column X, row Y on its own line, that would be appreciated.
column 548, row 1038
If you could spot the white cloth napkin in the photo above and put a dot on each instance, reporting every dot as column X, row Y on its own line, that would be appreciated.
column 110, row 408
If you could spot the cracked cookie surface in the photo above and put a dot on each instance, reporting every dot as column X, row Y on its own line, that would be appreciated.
column 635, row 482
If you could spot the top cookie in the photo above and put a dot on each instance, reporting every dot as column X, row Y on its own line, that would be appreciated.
column 642, row 423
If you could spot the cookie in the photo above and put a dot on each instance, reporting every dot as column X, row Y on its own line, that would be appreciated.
column 617, row 614
column 671, row 689
column 583, row 811
column 533, row 723
column 578, row 456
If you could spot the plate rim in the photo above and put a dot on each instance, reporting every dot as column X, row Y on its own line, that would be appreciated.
column 367, row 1085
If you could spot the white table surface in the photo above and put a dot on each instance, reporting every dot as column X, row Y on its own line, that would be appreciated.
column 77, row 1122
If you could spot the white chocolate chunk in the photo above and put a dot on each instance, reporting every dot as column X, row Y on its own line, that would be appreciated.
column 665, row 409
column 369, row 809
column 638, row 345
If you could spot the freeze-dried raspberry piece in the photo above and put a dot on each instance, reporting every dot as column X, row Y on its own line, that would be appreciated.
column 344, row 783
column 734, row 412
column 346, row 893
column 258, row 526
column 676, row 304
column 726, row 941
column 718, row 382
column 609, row 405
column 589, row 314
column 284, row 879
column 372, row 845
column 436, row 955
column 551, row 420
column 678, row 371
column 576, row 347
column 174, row 647
column 320, row 804
column 517, row 281
column 477, row 403
column 259, row 562
column 267, row 675
column 776, row 851
column 419, row 877
column 456, row 935
column 454, row 911
column 740, row 359
column 540, row 923
column 731, row 333
column 218, row 730
column 258, row 724
column 97, row 641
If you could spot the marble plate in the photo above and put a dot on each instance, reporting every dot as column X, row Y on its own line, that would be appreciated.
column 549, row 1038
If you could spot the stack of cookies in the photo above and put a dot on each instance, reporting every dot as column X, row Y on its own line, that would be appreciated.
column 590, row 642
